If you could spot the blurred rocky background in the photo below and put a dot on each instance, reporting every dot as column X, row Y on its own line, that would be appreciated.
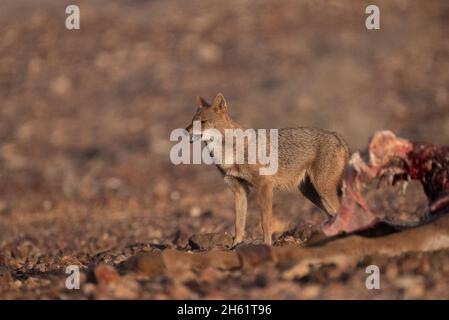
column 85, row 118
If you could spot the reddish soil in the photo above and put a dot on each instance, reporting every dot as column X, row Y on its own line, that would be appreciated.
column 85, row 118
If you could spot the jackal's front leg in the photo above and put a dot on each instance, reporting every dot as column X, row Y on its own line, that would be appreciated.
column 241, row 203
column 265, row 200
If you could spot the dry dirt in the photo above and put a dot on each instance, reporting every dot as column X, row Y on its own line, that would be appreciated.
column 85, row 116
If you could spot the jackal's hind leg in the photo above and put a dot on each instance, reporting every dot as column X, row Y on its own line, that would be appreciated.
column 265, row 200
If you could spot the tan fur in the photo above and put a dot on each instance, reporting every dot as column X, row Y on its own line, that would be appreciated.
column 310, row 159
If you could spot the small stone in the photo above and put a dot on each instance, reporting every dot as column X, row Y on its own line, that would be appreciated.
column 392, row 271
column 177, row 261
column 113, row 184
column 175, row 196
column 6, row 278
column 88, row 288
column 413, row 286
column 105, row 274
column 148, row 264
column 127, row 289
column 223, row 260
column 311, row 291
column 209, row 241
column 297, row 271
column 3, row 270
column 209, row 274
column 209, row 53
column 179, row 291
column 301, row 234
column 60, row 86
column 32, row 282
column 195, row 212
column 253, row 255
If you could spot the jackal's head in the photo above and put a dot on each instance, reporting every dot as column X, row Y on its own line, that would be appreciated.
column 210, row 115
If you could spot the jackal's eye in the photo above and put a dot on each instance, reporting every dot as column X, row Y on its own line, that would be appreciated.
column 203, row 121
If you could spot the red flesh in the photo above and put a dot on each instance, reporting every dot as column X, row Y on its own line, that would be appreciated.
column 400, row 160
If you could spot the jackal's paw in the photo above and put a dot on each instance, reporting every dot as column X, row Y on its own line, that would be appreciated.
column 236, row 242
column 249, row 242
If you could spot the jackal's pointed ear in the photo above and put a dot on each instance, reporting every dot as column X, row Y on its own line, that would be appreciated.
column 201, row 102
column 220, row 103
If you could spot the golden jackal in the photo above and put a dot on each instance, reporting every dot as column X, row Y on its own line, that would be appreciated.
column 310, row 159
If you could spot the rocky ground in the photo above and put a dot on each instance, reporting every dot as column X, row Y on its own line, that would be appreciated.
column 85, row 116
